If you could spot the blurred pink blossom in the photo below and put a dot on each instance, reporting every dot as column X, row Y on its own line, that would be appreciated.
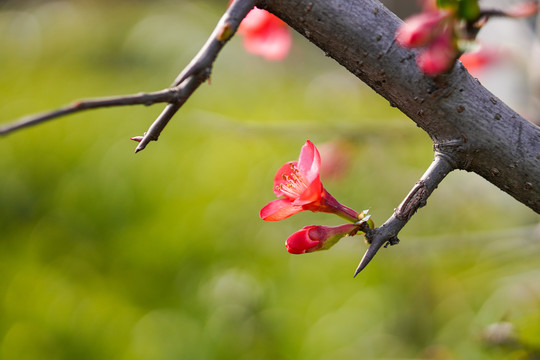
column 266, row 35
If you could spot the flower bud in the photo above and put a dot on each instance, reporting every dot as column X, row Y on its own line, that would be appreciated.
column 438, row 57
column 316, row 237
column 419, row 30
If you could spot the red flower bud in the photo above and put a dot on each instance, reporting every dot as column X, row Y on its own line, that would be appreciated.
column 439, row 56
column 316, row 237
column 419, row 30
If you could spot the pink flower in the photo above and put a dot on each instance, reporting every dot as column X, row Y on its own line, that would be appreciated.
column 336, row 158
column 265, row 35
column 316, row 237
column 441, row 25
column 299, row 185
column 523, row 10
column 432, row 30
column 438, row 57
column 421, row 29
column 476, row 61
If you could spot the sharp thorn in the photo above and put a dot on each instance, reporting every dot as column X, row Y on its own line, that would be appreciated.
column 368, row 256
column 139, row 147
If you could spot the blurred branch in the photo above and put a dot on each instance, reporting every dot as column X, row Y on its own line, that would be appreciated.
column 386, row 234
column 197, row 72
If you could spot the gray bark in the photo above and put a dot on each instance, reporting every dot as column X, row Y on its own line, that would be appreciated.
column 467, row 123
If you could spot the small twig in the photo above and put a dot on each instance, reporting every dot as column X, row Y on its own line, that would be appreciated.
column 197, row 72
column 161, row 96
column 387, row 233
column 199, row 69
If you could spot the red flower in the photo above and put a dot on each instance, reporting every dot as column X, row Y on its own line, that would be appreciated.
column 433, row 31
column 481, row 58
column 439, row 56
column 265, row 35
column 300, row 185
column 421, row 29
column 439, row 28
column 316, row 237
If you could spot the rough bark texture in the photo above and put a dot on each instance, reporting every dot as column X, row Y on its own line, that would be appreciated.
column 476, row 130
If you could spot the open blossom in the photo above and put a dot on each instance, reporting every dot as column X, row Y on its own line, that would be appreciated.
column 265, row 34
column 316, row 237
column 299, row 187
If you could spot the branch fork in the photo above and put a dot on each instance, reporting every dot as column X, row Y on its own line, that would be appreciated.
column 195, row 73
column 386, row 234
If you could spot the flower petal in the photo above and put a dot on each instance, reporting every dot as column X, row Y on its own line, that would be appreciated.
column 309, row 162
column 266, row 35
column 255, row 20
column 420, row 29
column 311, row 194
column 273, row 43
column 438, row 57
column 300, row 242
column 279, row 209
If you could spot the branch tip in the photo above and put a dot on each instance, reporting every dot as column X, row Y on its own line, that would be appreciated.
column 387, row 233
column 368, row 256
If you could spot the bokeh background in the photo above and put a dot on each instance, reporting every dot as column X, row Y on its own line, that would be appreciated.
column 161, row 255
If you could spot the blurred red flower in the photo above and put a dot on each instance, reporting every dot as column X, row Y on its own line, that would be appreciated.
column 265, row 34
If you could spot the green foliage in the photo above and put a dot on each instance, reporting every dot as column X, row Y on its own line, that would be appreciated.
column 448, row 4
column 469, row 9
column 161, row 255
column 465, row 9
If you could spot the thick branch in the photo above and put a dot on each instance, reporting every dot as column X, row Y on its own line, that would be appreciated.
column 417, row 198
column 477, row 130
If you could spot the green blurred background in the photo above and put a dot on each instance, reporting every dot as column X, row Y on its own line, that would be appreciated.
column 161, row 255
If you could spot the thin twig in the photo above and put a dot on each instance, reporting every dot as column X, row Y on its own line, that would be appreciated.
column 387, row 233
column 199, row 69
column 197, row 72
column 161, row 96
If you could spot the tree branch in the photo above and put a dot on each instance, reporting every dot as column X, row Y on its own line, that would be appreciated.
column 199, row 69
column 471, row 129
column 168, row 95
column 386, row 234
column 197, row 72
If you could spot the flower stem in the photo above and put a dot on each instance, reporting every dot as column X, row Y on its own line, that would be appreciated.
column 335, row 207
